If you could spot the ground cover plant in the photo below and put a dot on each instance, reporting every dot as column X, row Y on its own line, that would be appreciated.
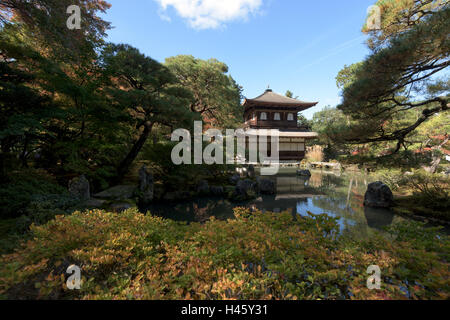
column 255, row 256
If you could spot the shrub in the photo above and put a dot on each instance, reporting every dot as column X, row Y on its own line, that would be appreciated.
column 255, row 256
column 315, row 154
column 21, row 188
column 431, row 189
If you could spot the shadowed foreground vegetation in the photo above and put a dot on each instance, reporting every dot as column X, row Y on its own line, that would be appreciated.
column 255, row 256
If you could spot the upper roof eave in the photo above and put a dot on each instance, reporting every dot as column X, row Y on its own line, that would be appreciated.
column 269, row 98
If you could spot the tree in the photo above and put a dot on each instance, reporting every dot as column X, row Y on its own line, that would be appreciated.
column 51, row 104
column 410, row 50
column 216, row 94
column 45, row 21
column 290, row 94
column 148, row 92
column 330, row 123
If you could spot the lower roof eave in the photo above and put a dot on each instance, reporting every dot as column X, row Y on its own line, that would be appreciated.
column 282, row 134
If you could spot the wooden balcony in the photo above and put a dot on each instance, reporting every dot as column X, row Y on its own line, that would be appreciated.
column 272, row 124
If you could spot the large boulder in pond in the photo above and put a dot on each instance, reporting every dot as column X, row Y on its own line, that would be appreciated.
column 267, row 186
column 378, row 195
column 304, row 173
column 146, row 187
column 79, row 188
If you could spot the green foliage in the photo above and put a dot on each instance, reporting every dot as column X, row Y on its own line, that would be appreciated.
column 20, row 190
column 330, row 123
column 216, row 94
column 255, row 256
column 44, row 21
column 173, row 176
column 387, row 95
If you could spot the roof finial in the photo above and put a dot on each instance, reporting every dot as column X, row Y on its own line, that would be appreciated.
column 268, row 88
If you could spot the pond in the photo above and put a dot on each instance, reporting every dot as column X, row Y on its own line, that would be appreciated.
column 338, row 195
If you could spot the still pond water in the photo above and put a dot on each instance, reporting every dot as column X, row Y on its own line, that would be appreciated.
column 338, row 195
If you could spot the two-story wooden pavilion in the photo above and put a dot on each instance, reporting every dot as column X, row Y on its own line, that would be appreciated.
column 272, row 111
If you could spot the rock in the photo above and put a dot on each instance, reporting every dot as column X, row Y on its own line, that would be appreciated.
column 94, row 203
column 235, row 179
column 146, row 187
column 267, row 186
column 203, row 187
column 304, row 173
column 79, row 188
column 120, row 207
column 117, row 193
column 245, row 189
column 251, row 171
column 217, row 190
column 378, row 195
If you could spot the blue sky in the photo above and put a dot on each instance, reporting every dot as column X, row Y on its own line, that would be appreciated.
column 295, row 45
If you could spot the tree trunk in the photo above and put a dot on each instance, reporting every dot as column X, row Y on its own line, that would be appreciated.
column 131, row 156
column 434, row 165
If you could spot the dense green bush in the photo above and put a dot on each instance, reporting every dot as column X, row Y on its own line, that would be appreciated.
column 21, row 188
column 255, row 256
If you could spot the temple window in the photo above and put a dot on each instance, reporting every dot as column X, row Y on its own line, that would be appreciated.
column 263, row 116
column 290, row 117
column 277, row 117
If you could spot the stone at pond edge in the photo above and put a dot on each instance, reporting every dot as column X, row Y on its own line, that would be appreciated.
column 146, row 187
column 267, row 186
column 235, row 179
column 305, row 173
column 217, row 190
column 245, row 189
column 79, row 188
column 94, row 203
column 120, row 207
column 378, row 195
column 203, row 187
column 119, row 192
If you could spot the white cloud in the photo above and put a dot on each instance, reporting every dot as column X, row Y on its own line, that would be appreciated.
column 211, row 14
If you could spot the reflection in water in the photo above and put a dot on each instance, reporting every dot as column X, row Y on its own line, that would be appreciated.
column 378, row 218
column 337, row 195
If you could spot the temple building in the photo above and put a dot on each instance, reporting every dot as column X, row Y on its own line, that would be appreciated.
column 272, row 111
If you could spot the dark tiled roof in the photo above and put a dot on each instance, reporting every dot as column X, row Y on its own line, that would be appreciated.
column 269, row 98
